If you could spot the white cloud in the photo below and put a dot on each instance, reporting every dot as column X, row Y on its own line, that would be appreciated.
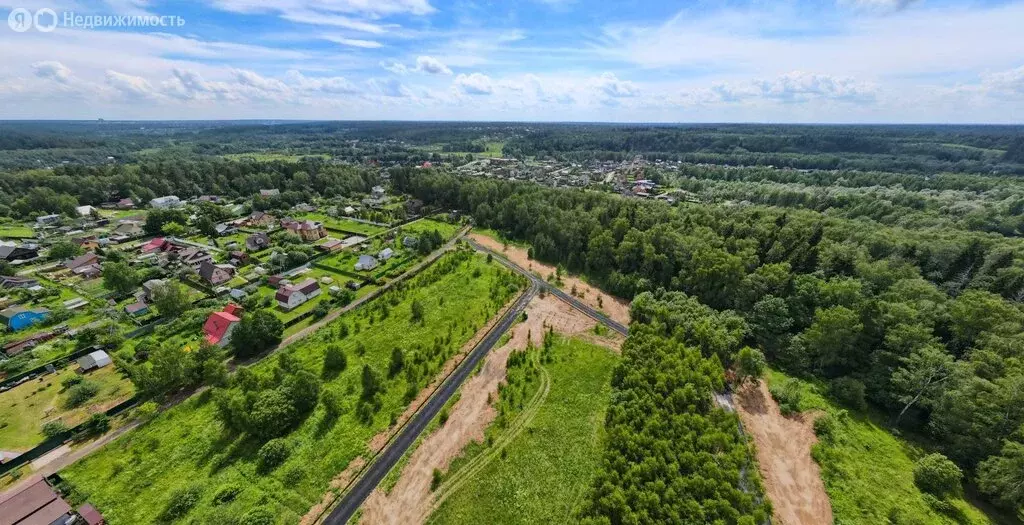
column 431, row 65
column 354, row 42
column 1009, row 82
column 334, row 85
column 610, row 85
column 52, row 70
column 362, row 7
column 474, row 84
column 129, row 85
column 388, row 87
column 254, row 80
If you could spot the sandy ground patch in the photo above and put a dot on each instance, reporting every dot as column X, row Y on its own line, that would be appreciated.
column 791, row 477
column 411, row 500
column 380, row 440
column 616, row 309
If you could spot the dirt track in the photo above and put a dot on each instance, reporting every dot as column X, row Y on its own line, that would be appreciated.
column 791, row 477
column 411, row 500
column 616, row 309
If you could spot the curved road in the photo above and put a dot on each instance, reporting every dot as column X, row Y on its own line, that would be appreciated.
column 393, row 452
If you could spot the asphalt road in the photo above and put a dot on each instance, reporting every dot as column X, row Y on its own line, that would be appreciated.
column 553, row 290
column 393, row 452
column 387, row 459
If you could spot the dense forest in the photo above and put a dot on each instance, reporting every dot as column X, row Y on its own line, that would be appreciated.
column 925, row 324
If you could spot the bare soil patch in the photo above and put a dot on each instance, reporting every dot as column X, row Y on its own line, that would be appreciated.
column 411, row 500
column 791, row 477
column 616, row 309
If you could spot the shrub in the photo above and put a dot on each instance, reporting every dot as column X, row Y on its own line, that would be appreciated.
column 435, row 479
column 849, row 392
column 182, row 500
column 80, row 393
column 54, row 428
column 226, row 493
column 146, row 410
column 71, row 381
column 272, row 454
column 259, row 516
column 96, row 424
column 335, row 360
column 826, row 427
column 937, row 475
column 789, row 395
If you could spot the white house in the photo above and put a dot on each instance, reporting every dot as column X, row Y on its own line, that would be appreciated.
column 366, row 262
column 385, row 254
column 290, row 296
column 47, row 219
column 169, row 201
column 97, row 359
column 85, row 211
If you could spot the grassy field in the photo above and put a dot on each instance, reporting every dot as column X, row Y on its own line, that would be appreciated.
column 339, row 223
column 868, row 472
column 16, row 231
column 132, row 479
column 24, row 409
column 543, row 472
column 447, row 230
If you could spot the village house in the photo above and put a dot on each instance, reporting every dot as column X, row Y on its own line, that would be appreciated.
column 224, row 228
column 47, row 220
column 89, row 242
column 238, row 258
column 218, row 327
column 94, row 360
column 37, row 503
column 308, row 230
column 170, row 201
column 149, row 286
column 8, row 282
column 193, row 257
column 125, row 204
column 365, row 262
column 270, row 193
column 216, row 274
column 86, row 211
column 128, row 229
column 18, row 318
column 331, row 245
column 86, row 266
column 137, row 309
column 260, row 219
column 385, row 254
column 290, row 296
column 257, row 242
column 12, row 253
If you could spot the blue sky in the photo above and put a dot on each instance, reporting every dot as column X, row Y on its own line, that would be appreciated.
column 537, row 60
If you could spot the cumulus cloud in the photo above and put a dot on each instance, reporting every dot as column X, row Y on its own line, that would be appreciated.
column 52, row 70
column 611, row 86
column 254, row 80
column 334, row 85
column 424, row 64
column 474, row 84
column 388, row 87
column 1009, row 82
column 431, row 65
column 130, row 85
column 795, row 86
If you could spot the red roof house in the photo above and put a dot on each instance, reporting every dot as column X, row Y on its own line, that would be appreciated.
column 35, row 504
column 219, row 325
column 157, row 244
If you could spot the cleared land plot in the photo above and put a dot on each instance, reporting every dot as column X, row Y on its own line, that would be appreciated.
column 408, row 497
column 616, row 309
column 792, row 479
column 132, row 480
column 869, row 473
column 25, row 408
column 543, row 472
column 340, row 223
